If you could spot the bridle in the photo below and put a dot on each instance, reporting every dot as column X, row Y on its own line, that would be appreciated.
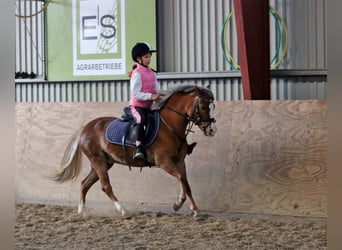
column 199, row 121
column 191, row 120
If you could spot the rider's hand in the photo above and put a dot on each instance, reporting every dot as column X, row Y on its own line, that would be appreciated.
column 155, row 97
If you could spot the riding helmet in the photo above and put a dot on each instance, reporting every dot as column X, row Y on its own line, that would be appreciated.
column 141, row 49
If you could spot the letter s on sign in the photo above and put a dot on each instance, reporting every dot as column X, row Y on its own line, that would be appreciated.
column 108, row 25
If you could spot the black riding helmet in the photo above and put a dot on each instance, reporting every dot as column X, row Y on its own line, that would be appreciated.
column 141, row 49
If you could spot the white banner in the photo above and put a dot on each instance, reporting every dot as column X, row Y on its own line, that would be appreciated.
column 98, row 37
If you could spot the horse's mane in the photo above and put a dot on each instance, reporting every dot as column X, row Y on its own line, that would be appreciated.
column 178, row 89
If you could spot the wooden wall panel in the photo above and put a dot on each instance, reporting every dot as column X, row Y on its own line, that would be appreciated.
column 267, row 157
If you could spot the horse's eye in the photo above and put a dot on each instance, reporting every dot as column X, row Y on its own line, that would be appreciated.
column 204, row 108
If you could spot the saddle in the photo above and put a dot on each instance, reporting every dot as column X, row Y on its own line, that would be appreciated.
column 121, row 132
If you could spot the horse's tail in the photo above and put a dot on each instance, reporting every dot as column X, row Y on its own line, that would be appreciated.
column 72, row 160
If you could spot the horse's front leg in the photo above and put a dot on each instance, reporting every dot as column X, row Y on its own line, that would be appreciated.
column 186, row 191
column 178, row 170
column 185, row 187
column 179, row 203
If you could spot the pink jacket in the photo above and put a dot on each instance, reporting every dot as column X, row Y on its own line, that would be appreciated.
column 143, row 85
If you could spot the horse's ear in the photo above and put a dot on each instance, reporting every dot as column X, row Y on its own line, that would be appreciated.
column 208, row 86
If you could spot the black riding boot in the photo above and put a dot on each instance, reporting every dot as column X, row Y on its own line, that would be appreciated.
column 139, row 153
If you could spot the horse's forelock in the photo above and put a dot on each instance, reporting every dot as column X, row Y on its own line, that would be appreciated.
column 208, row 93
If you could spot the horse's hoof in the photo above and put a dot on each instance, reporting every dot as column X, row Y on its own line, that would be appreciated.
column 198, row 216
column 176, row 207
column 80, row 208
column 126, row 215
column 191, row 148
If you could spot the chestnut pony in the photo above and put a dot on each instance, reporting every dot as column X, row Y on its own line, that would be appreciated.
column 179, row 110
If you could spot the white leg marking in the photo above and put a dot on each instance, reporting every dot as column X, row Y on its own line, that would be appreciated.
column 80, row 207
column 119, row 208
column 197, row 214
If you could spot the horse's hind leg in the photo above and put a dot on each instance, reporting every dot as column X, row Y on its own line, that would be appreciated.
column 86, row 184
column 102, row 172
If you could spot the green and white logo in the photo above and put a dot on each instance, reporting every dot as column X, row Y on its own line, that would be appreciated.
column 98, row 37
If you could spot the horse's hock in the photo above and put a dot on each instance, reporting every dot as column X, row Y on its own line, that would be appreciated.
column 267, row 157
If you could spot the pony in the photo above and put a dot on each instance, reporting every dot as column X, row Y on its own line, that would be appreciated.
column 179, row 109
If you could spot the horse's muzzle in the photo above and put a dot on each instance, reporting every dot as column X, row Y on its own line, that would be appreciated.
column 210, row 130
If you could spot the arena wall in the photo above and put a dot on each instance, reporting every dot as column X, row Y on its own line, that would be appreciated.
column 268, row 157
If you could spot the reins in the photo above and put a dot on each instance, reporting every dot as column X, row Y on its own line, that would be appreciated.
column 188, row 129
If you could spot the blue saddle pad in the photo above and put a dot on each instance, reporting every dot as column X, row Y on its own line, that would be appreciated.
column 120, row 131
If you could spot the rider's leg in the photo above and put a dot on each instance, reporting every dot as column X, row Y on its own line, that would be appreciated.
column 139, row 151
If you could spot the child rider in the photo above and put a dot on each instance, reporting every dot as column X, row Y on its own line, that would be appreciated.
column 144, row 90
